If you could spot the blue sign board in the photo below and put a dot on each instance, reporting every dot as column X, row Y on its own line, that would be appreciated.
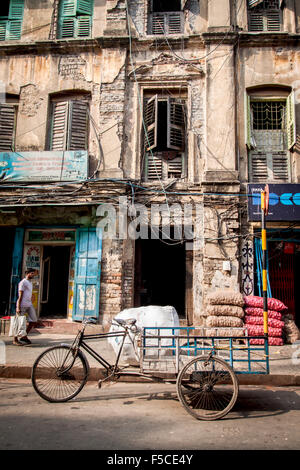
column 284, row 202
column 44, row 166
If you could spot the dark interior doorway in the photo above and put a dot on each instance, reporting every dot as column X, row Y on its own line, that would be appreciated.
column 7, row 236
column 160, row 272
column 55, row 276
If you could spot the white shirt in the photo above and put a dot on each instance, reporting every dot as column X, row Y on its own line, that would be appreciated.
column 26, row 287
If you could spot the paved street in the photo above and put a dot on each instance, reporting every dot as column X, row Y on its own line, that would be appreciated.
column 145, row 416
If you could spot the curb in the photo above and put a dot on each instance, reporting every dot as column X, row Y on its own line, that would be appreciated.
column 96, row 373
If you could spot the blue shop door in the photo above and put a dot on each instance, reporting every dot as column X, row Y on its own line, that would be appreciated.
column 16, row 271
column 87, row 274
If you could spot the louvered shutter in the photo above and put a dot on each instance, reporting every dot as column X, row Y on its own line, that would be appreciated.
column 151, row 123
column 290, row 120
column 273, row 20
column 16, row 10
column 67, row 27
column 59, row 125
column 7, row 127
column 175, row 132
column 153, row 167
column 85, row 7
column 266, row 166
column 78, row 125
column 254, row 3
column 68, row 7
column 174, row 23
column 3, row 28
column 14, row 30
column 83, row 26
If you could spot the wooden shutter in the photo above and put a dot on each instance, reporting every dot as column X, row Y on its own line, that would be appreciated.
column 174, row 23
column 78, row 125
column 59, row 125
column 176, row 127
column 3, row 29
column 151, row 113
column 7, row 127
column 153, row 167
column 68, row 7
column 265, row 166
column 16, row 10
column 83, row 26
column 85, row 7
column 66, row 27
column 254, row 3
column 273, row 20
column 290, row 120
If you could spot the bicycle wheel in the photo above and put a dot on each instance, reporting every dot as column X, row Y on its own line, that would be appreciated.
column 207, row 388
column 56, row 376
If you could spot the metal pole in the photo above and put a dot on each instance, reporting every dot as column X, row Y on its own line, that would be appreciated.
column 264, row 262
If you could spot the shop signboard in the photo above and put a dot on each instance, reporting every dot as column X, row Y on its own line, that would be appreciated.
column 284, row 202
column 44, row 166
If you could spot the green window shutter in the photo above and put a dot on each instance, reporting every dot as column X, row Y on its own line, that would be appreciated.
column 151, row 112
column 67, row 8
column 290, row 120
column 67, row 27
column 16, row 10
column 85, row 7
column 78, row 125
column 3, row 30
column 248, row 125
column 83, row 26
column 58, row 138
column 254, row 3
column 7, row 127
column 175, row 127
column 14, row 29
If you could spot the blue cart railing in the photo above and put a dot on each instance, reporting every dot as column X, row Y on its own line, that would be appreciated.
column 167, row 349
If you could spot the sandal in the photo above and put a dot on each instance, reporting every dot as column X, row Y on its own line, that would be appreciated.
column 17, row 343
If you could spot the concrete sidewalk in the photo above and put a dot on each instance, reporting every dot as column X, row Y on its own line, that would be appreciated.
column 16, row 362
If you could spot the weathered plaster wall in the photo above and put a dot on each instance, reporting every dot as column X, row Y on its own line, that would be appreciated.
column 35, row 77
column 38, row 18
column 268, row 66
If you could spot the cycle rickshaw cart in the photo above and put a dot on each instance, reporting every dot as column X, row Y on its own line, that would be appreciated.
column 204, row 368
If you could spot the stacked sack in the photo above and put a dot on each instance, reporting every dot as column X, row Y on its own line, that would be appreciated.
column 254, row 320
column 225, row 311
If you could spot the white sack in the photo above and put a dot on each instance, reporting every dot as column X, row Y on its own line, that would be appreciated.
column 150, row 316
column 17, row 326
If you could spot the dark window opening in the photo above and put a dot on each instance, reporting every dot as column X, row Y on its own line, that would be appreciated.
column 165, row 5
column 4, row 9
column 7, row 236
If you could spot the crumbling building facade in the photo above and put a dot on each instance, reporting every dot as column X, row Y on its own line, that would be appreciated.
column 138, row 105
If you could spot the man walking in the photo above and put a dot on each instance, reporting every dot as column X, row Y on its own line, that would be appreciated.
column 24, row 306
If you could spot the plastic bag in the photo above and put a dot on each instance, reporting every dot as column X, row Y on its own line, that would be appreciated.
column 17, row 326
column 151, row 316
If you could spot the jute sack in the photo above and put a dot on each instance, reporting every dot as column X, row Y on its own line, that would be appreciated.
column 224, row 332
column 225, row 310
column 225, row 297
column 214, row 320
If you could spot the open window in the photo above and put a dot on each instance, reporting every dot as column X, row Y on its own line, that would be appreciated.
column 166, row 17
column 11, row 19
column 270, row 134
column 75, row 18
column 265, row 15
column 164, row 137
column 69, row 127
column 8, row 118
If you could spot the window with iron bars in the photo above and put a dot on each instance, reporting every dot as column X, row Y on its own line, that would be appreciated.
column 270, row 135
column 165, row 17
column 164, row 138
column 264, row 15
